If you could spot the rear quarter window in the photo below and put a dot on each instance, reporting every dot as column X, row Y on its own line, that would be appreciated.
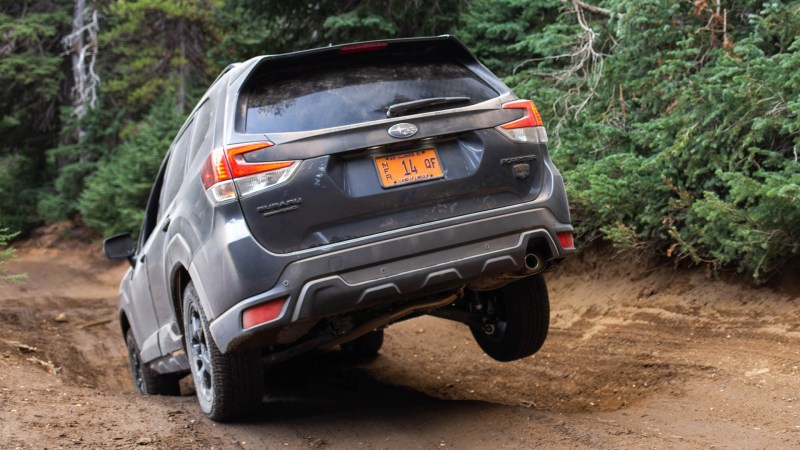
column 350, row 91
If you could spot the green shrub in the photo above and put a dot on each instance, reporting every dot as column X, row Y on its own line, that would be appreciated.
column 72, row 164
column 116, row 194
column 7, row 254
column 18, row 202
column 681, row 135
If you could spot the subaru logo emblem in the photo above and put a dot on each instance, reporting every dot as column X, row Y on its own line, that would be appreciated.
column 403, row 130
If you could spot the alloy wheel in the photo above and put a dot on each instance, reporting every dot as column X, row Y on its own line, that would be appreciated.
column 200, row 356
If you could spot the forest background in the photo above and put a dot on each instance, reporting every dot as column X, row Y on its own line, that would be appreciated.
column 675, row 123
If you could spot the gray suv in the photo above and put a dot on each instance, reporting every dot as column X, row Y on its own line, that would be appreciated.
column 314, row 198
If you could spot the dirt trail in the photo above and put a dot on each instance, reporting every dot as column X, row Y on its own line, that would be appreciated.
column 637, row 357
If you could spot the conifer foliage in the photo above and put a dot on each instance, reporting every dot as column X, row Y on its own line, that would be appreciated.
column 675, row 122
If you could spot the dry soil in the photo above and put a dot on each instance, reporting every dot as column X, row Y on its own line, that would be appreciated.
column 638, row 356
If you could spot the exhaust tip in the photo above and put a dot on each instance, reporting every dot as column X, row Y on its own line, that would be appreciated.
column 533, row 263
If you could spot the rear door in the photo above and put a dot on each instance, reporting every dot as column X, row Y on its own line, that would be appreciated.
column 158, row 270
column 141, row 312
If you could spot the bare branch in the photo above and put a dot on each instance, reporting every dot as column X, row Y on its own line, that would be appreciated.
column 9, row 46
column 595, row 9
column 584, row 71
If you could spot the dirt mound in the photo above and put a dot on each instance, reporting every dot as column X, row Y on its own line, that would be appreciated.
column 66, row 311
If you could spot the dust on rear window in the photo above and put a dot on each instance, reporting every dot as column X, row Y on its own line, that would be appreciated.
column 353, row 91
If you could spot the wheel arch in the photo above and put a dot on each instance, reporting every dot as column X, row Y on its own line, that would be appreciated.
column 124, row 323
column 178, row 254
column 180, row 280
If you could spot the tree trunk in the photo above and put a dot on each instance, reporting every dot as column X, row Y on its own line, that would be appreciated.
column 76, row 45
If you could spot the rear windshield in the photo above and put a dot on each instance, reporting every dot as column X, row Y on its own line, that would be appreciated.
column 353, row 90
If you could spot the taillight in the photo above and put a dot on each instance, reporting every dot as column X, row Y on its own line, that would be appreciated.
column 565, row 238
column 242, row 168
column 263, row 313
column 227, row 170
column 216, row 177
column 528, row 128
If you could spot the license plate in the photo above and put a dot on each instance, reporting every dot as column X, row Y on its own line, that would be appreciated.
column 410, row 167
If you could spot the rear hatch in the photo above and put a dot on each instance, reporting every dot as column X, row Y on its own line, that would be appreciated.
column 385, row 136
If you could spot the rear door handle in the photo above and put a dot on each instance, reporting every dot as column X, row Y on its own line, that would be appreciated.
column 166, row 225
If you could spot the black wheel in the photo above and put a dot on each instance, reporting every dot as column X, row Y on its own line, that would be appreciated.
column 145, row 381
column 517, row 319
column 365, row 347
column 228, row 386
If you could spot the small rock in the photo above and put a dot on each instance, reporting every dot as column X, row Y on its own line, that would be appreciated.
column 61, row 318
column 316, row 443
column 24, row 348
column 753, row 373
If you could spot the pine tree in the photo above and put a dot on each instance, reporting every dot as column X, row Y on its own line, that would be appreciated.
column 116, row 194
column 157, row 46
column 32, row 83
column 6, row 255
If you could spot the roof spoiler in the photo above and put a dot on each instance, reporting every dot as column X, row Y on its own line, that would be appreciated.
column 445, row 44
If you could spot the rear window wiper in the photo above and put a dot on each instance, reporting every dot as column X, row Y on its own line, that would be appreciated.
column 399, row 109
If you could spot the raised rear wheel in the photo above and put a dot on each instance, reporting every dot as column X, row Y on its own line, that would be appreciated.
column 516, row 319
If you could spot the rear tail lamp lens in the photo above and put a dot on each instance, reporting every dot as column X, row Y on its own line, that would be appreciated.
column 226, row 166
column 241, row 168
column 530, row 119
column 215, row 169
column 263, row 313
column 521, row 135
column 565, row 237
column 266, row 180
column 528, row 128
column 216, row 177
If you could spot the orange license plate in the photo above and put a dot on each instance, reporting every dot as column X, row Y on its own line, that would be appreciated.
column 410, row 167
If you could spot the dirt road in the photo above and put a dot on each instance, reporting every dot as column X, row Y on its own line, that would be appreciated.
column 637, row 357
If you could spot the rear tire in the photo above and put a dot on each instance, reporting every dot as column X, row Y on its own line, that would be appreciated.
column 228, row 386
column 520, row 319
column 145, row 380
column 365, row 347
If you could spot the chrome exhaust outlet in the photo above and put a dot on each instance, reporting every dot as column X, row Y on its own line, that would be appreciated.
column 533, row 263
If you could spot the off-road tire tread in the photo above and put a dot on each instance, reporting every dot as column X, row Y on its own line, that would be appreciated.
column 238, row 376
column 528, row 316
column 154, row 383
column 364, row 347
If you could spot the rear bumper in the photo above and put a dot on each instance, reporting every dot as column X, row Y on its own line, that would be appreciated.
column 397, row 268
